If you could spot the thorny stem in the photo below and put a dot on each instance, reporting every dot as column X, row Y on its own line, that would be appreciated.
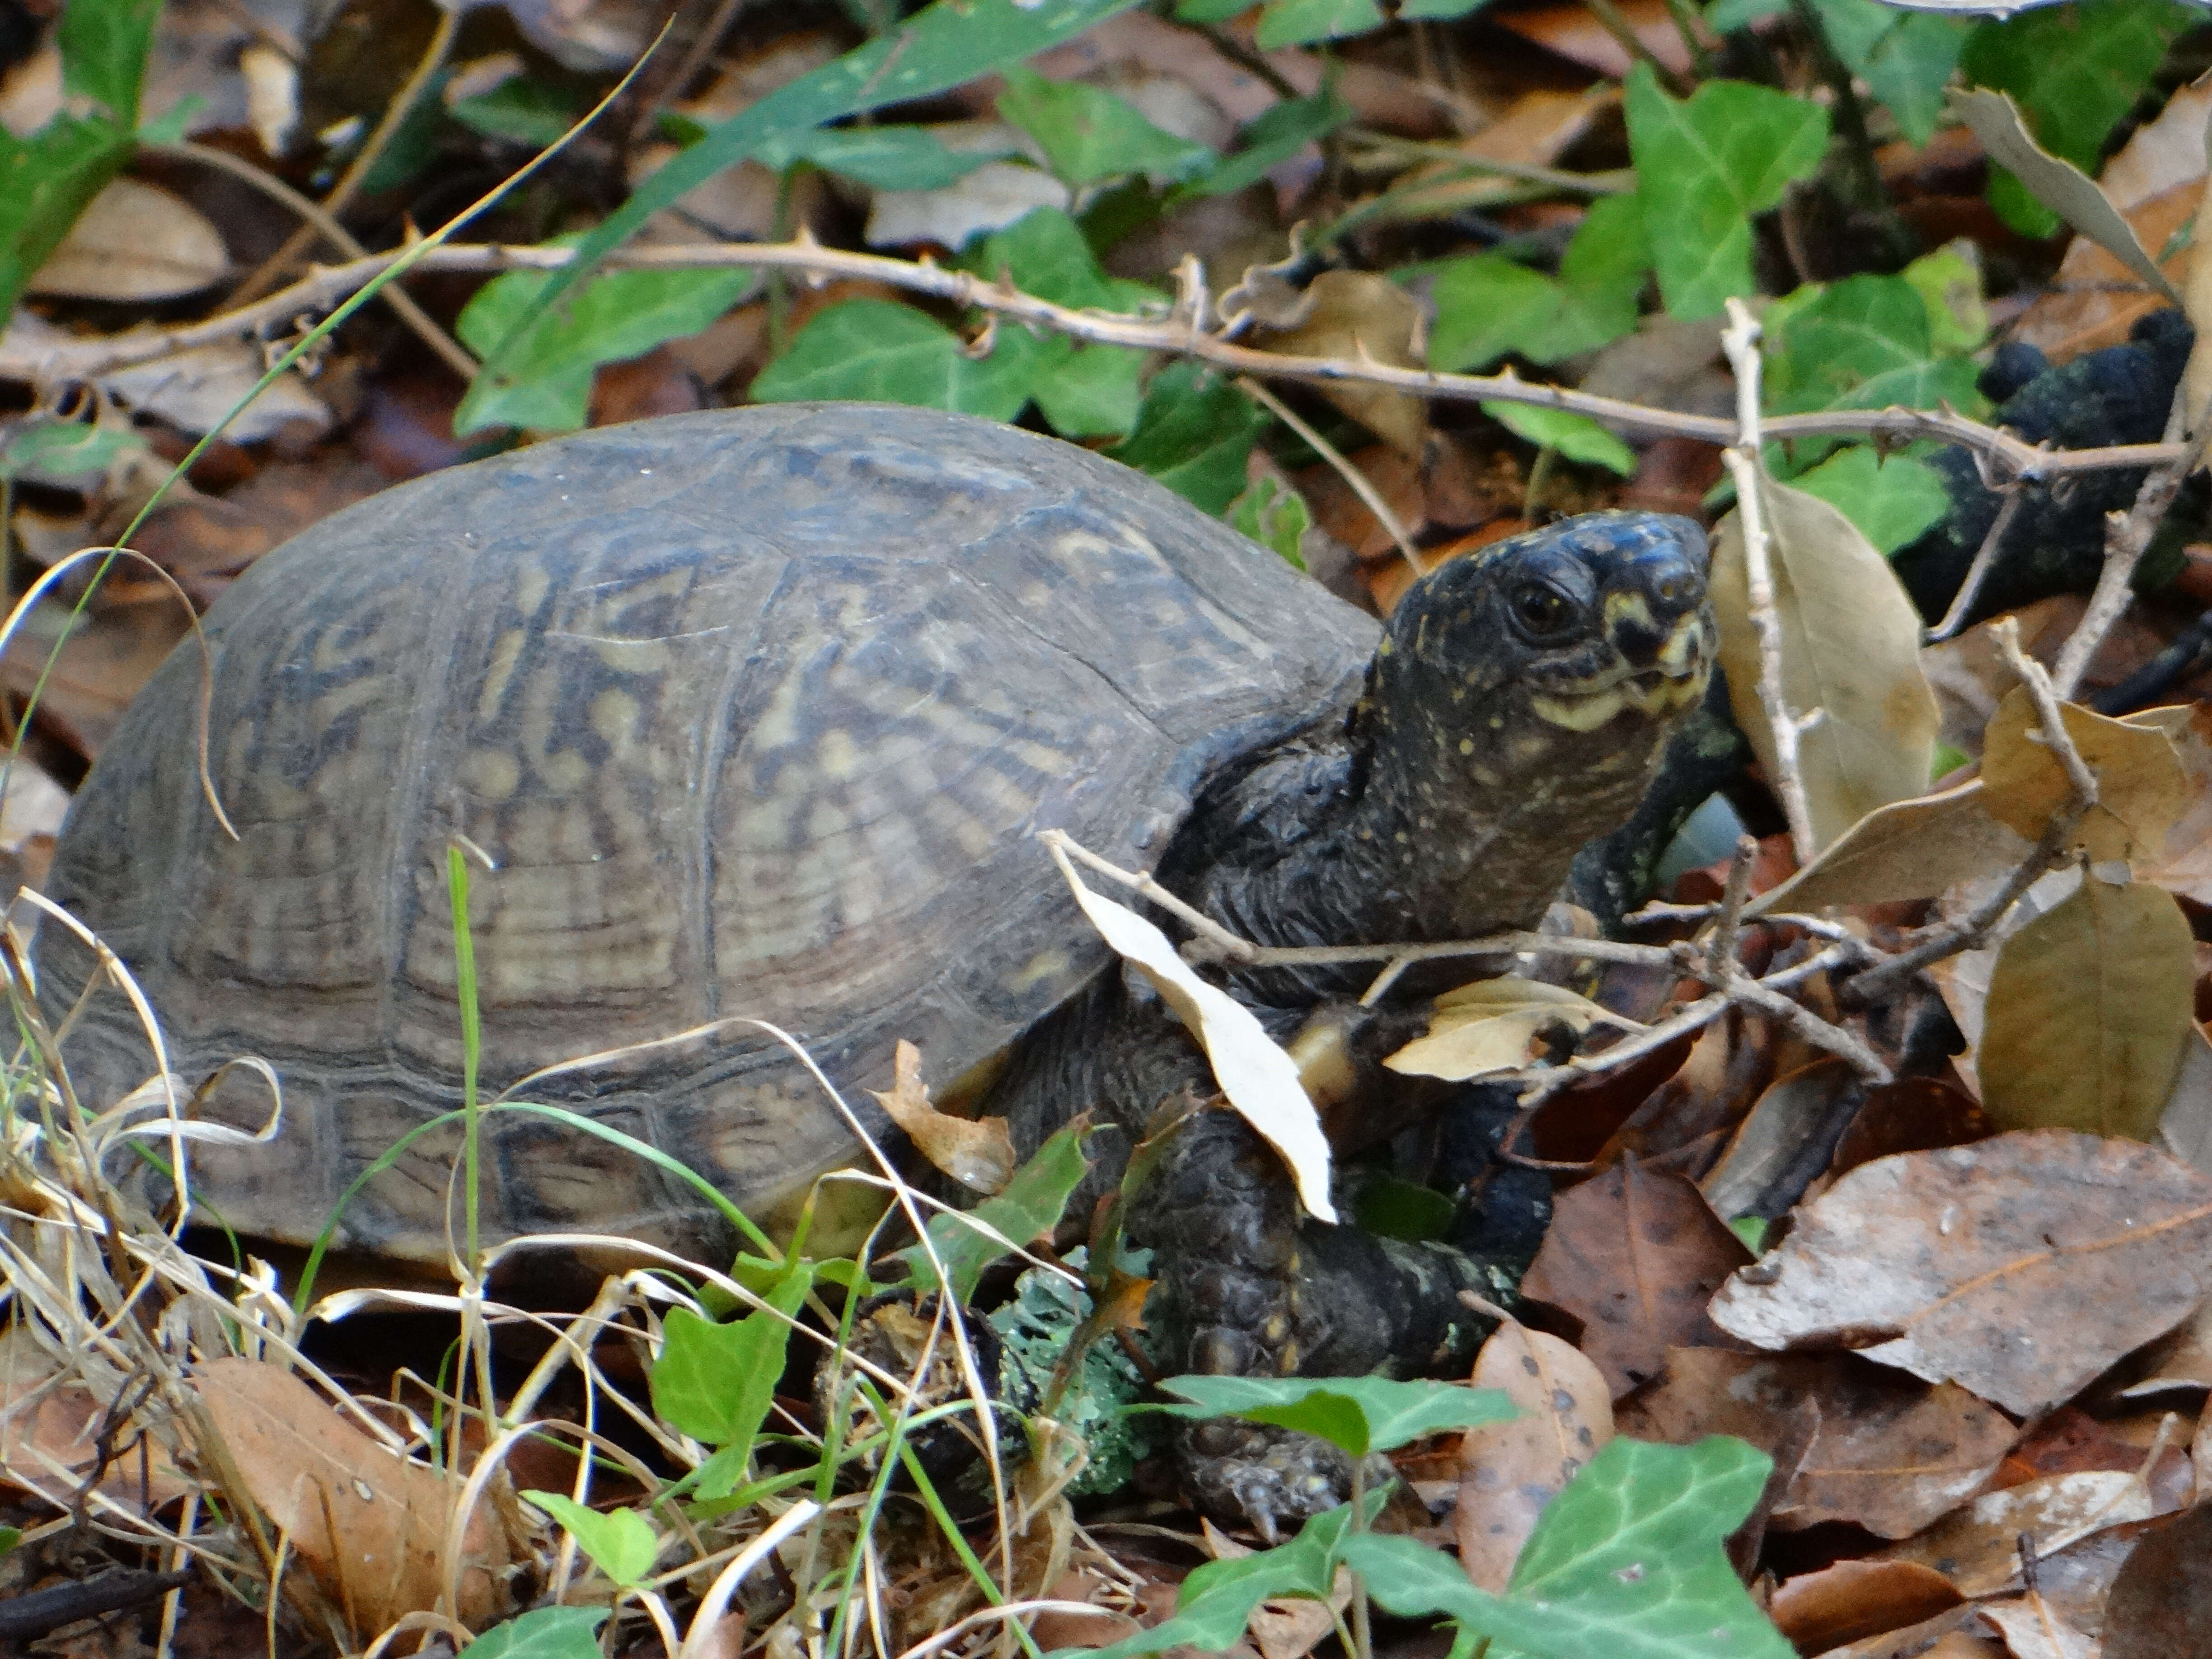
column 1739, row 339
column 1180, row 332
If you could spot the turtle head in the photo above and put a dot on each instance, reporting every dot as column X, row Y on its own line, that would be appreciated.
column 1570, row 649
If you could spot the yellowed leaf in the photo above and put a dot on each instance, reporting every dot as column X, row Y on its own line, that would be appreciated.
column 369, row 1524
column 1359, row 314
column 1908, row 849
column 1489, row 1025
column 2141, row 787
column 1510, row 1471
column 2089, row 1013
column 134, row 242
column 977, row 1152
column 1850, row 649
column 1978, row 1548
column 1258, row 1079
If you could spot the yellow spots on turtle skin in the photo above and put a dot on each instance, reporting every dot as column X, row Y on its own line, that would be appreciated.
column 493, row 773
column 1467, row 745
column 835, row 754
column 1625, row 606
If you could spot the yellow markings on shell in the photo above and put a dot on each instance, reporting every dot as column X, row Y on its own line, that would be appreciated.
column 530, row 587
column 1045, row 967
column 565, row 772
column 836, row 755
column 633, row 656
column 498, row 672
column 615, row 716
column 493, row 773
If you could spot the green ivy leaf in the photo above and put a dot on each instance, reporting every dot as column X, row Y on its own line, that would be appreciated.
column 1361, row 1415
column 1273, row 516
column 1271, row 137
column 521, row 109
column 1029, row 1204
column 1194, row 434
column 1905, row 57
column 2074, row 70
column 1488, row 305
column 1626, row 1561
column 882, row 158
column 544, row 1633
column 1864, row 343
column 103, row 45
column 66, row 449
column 1893, row 500
column 1046, row 254
column 716, row 1383
column 1415, row 11
column 1577, row 437
column 1302, row 22
column 1088, row 134
column 45, row 181
column 1704, row 166
column 940, row 47
column 1090, row 390
column 1949, row 283
column 879, row 350
column 622, row 1543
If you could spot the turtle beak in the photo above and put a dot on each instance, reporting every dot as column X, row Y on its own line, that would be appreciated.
column 1658, row 623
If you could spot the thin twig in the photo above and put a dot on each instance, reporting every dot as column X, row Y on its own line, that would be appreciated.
column 1181, row 333
column 1739, row 339
column 1985, row 557
column 1336, row 458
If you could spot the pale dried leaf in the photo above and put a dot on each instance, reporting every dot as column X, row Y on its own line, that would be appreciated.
column 51, row 1431
column 366, row 1523
column 1510, row 1471
column 1260, row 1080
column 194, row 390
column 1850, row 649
column 977, row 1152
column 1490, row 1025
column 2059, row 186
column 2033, row 1629
column 2184, row 1128
column 1362, row 315
column 1978, row 1548
column 2020, row 1266
column 2142, row 788
column 2088, row 1014
column 1908, row 849
column 134, row 242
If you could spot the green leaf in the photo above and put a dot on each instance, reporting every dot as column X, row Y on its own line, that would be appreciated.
column 1272, row 516
column 1088, row 391
column 66, row 449
column 946, row 44
column 1030, row 1204
column 45, row 181
column 882, row 158
column 1578, row 437
column 1087, row 133
column 882, row 351
column 1893, row 501
column 1301, row 23
column 1361, row 1415
column 1415, row 11
column 521, row 109
column 1905, row 57
column 1215, row 1603
column 716, row 1383
column 1271, row 138
column 1949, row 283
column 1486, row 306
column 1626, row 1561
column 1211, row 11
column 544, row 1633
column 1702, row 167
column 619, row 315
column 622, row 1543
column 103, row 45
column 10, row 1537
column 1405, row 1209
column 2074, row 70
column 1194, row 434
column 1046, row 254
column 1727, row 16
column 1864, row 343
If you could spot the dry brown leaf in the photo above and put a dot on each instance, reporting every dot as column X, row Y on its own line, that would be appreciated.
column 134, row 242
column 2160, row 1604
column 2033, row 1629
column 1787, row 1140
column 1908, row 849
column 1490, row 1024
column 2088, row 1014
column 1360, row 314
column 1817, row 1611
column 2141, row 789
column 977, row 1152
column 366, row 1523
column 2181, row 1360
column 1850, row 648
column 1892, row 1453
column 2019, row 1267
column 1912, row 1115
column 1978, row 1548
column 1964, row 980
column 51, row 1436
column 1574, row 32
column 2184, row 865
column 1510, row 1471
column 1634, row 1254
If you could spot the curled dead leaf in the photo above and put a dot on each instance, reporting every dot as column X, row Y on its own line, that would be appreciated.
column 977, row 1152
column 1489, row 1026
column 1362, row 315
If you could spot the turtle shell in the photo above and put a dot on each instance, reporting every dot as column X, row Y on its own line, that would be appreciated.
column 756, row 713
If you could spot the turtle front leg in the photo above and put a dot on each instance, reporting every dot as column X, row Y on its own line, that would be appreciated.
column 1245, row 1287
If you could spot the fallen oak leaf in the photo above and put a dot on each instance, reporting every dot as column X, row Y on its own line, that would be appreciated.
column 2141, row 787
column 2020, row 1267
column 1510, row 1471
column 977, row 1152
column 1908, row 849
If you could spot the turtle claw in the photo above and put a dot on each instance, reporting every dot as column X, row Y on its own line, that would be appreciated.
column 1274, row 1480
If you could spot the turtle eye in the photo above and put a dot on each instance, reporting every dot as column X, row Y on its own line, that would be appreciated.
column 1543, row 612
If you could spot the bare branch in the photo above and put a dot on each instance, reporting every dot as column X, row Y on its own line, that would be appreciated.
column 1985, row 556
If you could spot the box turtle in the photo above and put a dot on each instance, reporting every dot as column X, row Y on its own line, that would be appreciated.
column 757, row 712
